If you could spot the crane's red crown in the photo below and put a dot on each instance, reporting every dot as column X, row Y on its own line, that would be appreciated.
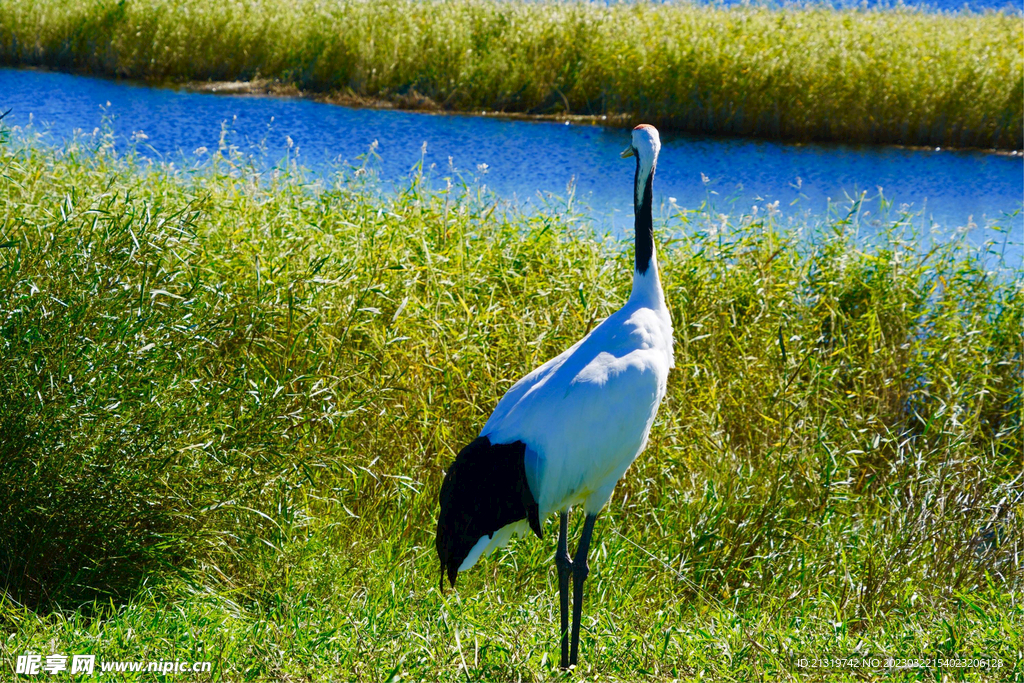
column 645, row 126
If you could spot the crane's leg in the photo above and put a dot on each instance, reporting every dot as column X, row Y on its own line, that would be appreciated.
column 564, row 565
column 580, row 569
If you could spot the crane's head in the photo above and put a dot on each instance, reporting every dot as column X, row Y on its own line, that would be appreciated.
column 645, row 145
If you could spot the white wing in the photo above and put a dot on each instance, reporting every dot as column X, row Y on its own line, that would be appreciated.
column 585, row 414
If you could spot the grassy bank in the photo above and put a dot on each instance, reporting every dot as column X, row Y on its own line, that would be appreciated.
column 225, row 406
column 894, row 76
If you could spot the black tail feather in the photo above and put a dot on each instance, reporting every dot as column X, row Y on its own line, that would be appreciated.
column 483, row 490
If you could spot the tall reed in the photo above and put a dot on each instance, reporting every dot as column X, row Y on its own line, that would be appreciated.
column 894, row 75
column 227, row 399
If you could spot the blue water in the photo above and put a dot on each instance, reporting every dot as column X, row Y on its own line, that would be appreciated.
column 523, row 161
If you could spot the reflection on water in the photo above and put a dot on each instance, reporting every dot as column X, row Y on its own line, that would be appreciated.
column 520, row 159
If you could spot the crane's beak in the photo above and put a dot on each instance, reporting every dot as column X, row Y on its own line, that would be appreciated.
column 626, row 153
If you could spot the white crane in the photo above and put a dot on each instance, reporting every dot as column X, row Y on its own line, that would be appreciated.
column 565, row 434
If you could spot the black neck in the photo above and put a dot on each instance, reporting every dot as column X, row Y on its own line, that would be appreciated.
column 644, row 221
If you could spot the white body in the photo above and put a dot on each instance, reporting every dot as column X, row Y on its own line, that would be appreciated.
column 585, row 415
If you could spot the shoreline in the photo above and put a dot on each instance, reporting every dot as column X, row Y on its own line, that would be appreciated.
column 420, row 104
column 412, row 102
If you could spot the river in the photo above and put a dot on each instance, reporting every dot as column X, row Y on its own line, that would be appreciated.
column 526, row 161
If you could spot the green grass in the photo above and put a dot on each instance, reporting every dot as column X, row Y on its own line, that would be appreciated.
column 227, row 400
column 893, row 76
